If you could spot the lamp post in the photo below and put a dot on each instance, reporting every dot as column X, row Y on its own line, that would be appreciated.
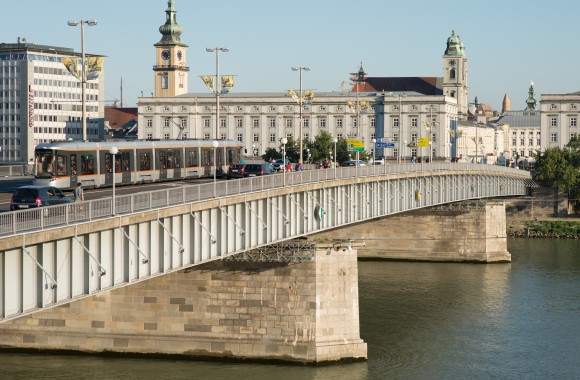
column 476, row 131
column 253, row 150
column 300, row 69
column 83, row 69
column 113, row 151
column 335, row 140
column 374, row 141
column 284, row 141
column 214, row 145
column 217, row 86
column 401, row 125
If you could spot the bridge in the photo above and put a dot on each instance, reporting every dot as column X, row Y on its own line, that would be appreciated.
column 52, row 256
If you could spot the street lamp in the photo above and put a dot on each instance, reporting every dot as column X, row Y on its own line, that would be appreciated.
column 214, row 145
column 217, row 89
column 300, row 69
column 113, row 151
column 284, row 141
column 374, row 141
column 83, row 69
column 401, row 136
column 335, row 140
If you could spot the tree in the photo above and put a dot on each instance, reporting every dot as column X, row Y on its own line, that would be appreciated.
column 558, row 168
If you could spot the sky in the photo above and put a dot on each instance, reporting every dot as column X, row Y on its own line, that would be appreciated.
column 508, row 43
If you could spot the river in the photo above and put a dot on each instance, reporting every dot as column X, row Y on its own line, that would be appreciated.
column 420, row 320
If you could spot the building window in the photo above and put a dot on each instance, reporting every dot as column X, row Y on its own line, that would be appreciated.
column 206, row 122
column 149, row 123
column 306, row 122
column 222, row 122
column 183, row 122
column 239, row 122
column 396, row 122
column 256, row 122
column 339, row 108
column 553, row 137
column 164, row 81
column 240, row 108
column 413, row 137
column 373, row 122
column 149, row 136
column 573, row 122
column 166, row 136
column 166, row 122
column 223, row 136
column 452, row 74
column 206, row 136
column 396, row 153
column 288, row 123
column 149, row 108
column 354, row 121
column 395, row 136
column 531, row 142
column 522, row 142
column 306, row 136
column 339, row 122
column 256, row 137
column 373, row 136
column 272, row 108
column 272, row 137
column 322, row 122
column 239, row 137
column 572, row 106
column 553, row 107
column 272, row 122
column 414, row 122
column 553, row 121
column 414, row 152
column 573, row 136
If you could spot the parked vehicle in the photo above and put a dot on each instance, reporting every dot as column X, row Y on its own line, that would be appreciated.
column 354, row 163
column 37, row 196
column 237, row 171
column 253, row 170
column 280, row 163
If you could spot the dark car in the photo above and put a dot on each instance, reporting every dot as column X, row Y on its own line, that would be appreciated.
column 252, row 170
column 279, row 164
column 237, row 171
column 37, row 196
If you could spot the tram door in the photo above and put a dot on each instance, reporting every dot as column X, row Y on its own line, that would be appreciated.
column 206, row 161
column 162, row 164
column 107, row 168
column 177, row 164
column 126, row 166
column 74, row 170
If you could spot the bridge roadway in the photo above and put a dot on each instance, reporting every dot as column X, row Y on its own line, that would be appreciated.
column 54, row 255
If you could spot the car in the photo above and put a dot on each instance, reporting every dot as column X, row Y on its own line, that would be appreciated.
column 253, row 170
column 237, row 171
column 279, row 164
column 354, row 163
column 379, row 161
column 26, row 197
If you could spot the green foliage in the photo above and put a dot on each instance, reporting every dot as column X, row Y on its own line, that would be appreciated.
column 559, row 168
column 555, row 227
column 271, row 153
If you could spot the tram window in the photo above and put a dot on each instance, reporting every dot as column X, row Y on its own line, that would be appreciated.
column 118, row 163
column 207, row 158
column 145, row 161
column 87, row 164
column 192, row 158
column 162, row 164
column 73, row 165
column 169, row 160
column 177, row 156
column 60, row 165
column 220, row 156
column 108, row 166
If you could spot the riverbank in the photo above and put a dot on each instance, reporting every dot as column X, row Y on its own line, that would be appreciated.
column 555, row 229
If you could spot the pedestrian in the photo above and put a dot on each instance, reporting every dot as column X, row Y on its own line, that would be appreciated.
column 78, row 193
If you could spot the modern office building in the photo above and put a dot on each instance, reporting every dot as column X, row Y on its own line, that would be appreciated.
column 40, row 100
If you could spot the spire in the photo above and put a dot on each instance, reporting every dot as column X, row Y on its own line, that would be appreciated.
column 454, row 45
column 531, row 101
column 359, row 77
column 505, row 106
column 171, row 30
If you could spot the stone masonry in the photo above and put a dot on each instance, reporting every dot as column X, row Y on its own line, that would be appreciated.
column 298, row 312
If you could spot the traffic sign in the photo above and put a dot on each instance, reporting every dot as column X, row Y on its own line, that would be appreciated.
column 355, row 145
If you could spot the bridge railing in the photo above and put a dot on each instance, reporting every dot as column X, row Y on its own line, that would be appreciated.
column 24, row 221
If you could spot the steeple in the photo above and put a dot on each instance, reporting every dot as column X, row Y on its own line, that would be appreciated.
column 171, row 30
column 531, row 101
column 455, row 73
column 454, row 45
column 505, row 106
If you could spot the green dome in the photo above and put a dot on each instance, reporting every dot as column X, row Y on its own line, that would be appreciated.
column 171, row 30
column 454, row 45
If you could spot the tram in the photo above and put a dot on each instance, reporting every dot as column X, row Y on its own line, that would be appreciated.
column 65, row 163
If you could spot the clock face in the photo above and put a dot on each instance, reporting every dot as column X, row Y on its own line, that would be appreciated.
column 452, row 62
column 165, row 54
column 179, row 55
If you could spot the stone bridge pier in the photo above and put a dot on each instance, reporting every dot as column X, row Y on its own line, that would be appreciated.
column 295, row 302
column 461, row 232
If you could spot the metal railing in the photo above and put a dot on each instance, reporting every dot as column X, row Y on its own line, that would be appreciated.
column 14, row 170
column 24, row 221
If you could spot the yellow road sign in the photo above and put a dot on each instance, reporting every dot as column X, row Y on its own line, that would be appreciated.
column 423, row 142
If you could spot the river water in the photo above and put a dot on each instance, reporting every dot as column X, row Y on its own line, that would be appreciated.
column 420, row 320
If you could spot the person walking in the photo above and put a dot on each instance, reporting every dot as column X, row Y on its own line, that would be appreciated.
column 79, row 193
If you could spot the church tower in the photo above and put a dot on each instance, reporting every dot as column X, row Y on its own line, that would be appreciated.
column 531, row 101
column 455, row 73
column 170, row 71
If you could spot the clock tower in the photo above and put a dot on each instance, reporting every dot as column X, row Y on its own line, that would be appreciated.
column 170, row 70
column 455, row 73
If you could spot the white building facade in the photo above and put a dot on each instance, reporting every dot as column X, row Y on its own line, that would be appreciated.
column 260, row 120
column 560, row 114
column 41, row 101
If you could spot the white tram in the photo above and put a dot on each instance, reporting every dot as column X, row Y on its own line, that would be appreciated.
column 65, row 163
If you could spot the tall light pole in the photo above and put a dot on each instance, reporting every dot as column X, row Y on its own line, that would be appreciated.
column 476, row 131
column 335, row 140
column 358, row 78
column 217, row 86
column 113, row 151
column 301, row 100
column 374, row 141
column 83, row 69
column 284, row 141
column 214, row 145
column 401, row 136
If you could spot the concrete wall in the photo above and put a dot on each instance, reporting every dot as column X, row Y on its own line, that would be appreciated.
column 463, row 233
column 303, row 312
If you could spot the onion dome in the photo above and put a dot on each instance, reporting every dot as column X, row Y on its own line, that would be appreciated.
column 171, row 30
